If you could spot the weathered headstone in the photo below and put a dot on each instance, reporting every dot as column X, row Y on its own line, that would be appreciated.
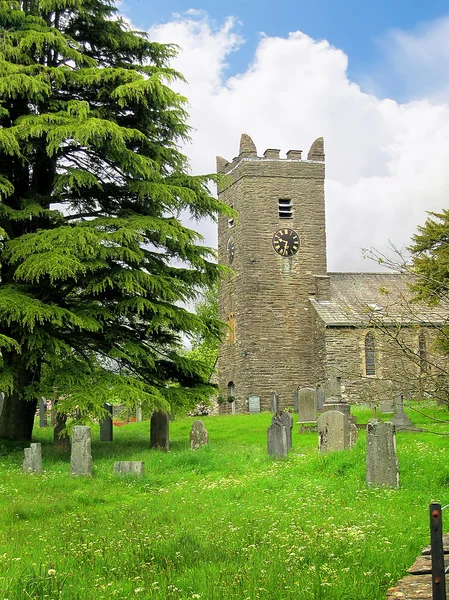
column 274, row 402
column 254, row 404
column 287, row 420
column 129, row 467
column 381, row 459
column 401, row 420
column 81, row 456
column 320, row 397
column 43, row 413
column 32, row 463
column 353, row 434
column 159, row 431
column 307, row 409
column 106, row 430
column 386, row 406
column 138, row 413
column 198, row 435
column 332, row 431
column 295, row 401
column 61, row 441
column 277, row 438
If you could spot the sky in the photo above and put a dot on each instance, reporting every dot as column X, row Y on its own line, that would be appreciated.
column 372, row 78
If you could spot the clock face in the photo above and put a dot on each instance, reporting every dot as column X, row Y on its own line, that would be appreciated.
column 230, row 247
column 286, row 242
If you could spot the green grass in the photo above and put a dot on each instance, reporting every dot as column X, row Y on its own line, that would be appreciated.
column 224, row 522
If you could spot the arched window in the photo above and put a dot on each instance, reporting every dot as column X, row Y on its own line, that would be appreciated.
column 231, row 391
column 422, row 351
column 370, row 359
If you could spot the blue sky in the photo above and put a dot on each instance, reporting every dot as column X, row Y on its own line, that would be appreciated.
column 372, row 78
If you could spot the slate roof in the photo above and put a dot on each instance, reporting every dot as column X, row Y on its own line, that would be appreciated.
column 361, row 299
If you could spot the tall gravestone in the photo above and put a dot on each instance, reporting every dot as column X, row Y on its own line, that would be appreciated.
column 277, row 438
column 320, row 397
column 139, row 413
column 287, row 420
column 333, row 431
column 274, row 402
column 32, row 463
column 106, row 429
column 81, row 456
column 307, row 409
column 43, row 413
column 198, row 435
column 296, row 401
column 61, row 440
column 159, row 431
column 381, row 459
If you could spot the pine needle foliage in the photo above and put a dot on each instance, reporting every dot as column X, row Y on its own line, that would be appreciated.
column 96, row 266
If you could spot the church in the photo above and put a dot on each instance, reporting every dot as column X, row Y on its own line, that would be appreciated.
column 292, row 324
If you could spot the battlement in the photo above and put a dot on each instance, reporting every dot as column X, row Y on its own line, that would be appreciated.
column 248, row 153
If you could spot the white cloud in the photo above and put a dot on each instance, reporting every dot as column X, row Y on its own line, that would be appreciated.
column 386, row 162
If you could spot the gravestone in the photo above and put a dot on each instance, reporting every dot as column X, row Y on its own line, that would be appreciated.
column 274, row 402
column 386, row 406
column 139, row 413
column 381, row 459
column 135, row 468
column 198, row 435
column 333, row 431
column 295, row 401
column 159, row 431
column 277, row 438
column 43, row 413
column 254, row 404
column 401, row 420
column 287, row 420
column 32, row 463
column 353, row 434
column 61, row 441
column 320, row 397
column 307, row 410
column 106, row 430
column 81, row 456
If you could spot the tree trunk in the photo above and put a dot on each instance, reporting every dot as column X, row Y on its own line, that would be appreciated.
column 17, row 418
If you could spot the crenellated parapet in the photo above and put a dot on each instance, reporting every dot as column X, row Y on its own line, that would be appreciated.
column 248, row 152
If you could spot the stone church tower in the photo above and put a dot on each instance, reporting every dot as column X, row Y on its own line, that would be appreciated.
column 276, row 247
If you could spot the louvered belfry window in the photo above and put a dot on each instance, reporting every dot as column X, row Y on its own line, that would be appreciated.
column 285, row 208
column 370, row 359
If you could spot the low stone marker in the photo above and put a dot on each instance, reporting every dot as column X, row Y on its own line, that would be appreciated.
column 381, row 459
column 106, row 429
column 159, row 431
column 135, row 468
column 277, row 438
column 198, row 435
column 307, row 407
column 43, row 413
column 81, row 456
column 287, row 420
column 274, row 402
column 333, row 431
column 32, row 463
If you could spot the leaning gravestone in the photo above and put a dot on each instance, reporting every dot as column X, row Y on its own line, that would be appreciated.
column 198, row 435
column 381, row 458
column 61, row 441
column 277, row 437
column 106, row 431
column 274, row 402
column 129, row 467
column 287, row 420
column 32, row 463
column 307, row 410
column 43, row 413
column 333, row 431
column 81, row 456
column 159, row 431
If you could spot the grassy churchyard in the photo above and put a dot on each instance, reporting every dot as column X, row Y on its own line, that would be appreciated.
column 223, row 522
